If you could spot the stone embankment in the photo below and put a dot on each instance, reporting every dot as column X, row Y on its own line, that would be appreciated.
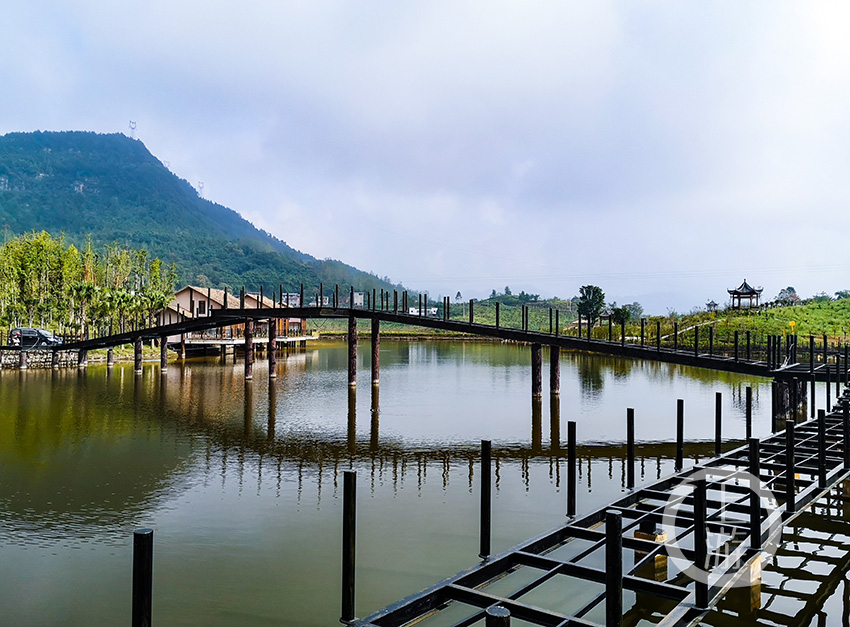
column 37, row 358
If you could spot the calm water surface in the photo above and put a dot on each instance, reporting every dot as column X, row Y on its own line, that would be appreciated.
column 241, row 482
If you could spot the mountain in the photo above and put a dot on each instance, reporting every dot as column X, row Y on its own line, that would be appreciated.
column 112, row 189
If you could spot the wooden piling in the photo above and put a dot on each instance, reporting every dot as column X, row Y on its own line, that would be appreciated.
column 748, row 345
column 700, row 542
column 658, row 335
column 486, row 484
column 163, row 354
column 497, row 616
column 676, row 335
column 554, row 370
column 536, row 370
column 821, row 448
column 755, row 494
column 630, row 448
column 845, row 431
column 643, row 332
column 142, row 577
column 82, row 358
column 710, row 341
column 718, row 423
column 376, row 351
column 497, row 315
column 790, row 469
column 748, row 416
column 572, row 462
column 736, row 346
column 137, row 354
column 110, row 357
column 249, row 349
column 557, row 323
column 680, row 434
column 349, row 536
column 696, row 341
column 812, row 397
column 352, row 351
column 273, row 348
column 471, row 315
column 613, row 568
column 828, row 388
column 811, row 355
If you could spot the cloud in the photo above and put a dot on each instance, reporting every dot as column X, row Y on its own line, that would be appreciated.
column 655, row 148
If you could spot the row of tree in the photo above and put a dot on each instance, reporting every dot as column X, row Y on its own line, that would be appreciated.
column 46, row 282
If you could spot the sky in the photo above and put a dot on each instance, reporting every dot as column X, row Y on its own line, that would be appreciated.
column 665, row 151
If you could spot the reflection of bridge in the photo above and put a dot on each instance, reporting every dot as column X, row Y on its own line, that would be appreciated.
column 709, row 521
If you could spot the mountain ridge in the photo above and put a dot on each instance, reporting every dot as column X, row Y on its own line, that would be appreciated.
column 111, row 188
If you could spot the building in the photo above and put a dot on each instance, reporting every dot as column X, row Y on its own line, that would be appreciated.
column 745, row 296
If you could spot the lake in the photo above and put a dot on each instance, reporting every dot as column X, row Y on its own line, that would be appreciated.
column 242, row 482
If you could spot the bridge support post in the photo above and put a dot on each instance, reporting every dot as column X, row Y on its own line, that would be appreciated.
column 54, row 359
column 110, row 357
column 755, row 498
column 812, row 395
column 163, row 354
column 376, row 351
column 828, row 388
column 137, row 356
column 249, row 349
column 272, row 348
column 82, row 358
column 23, row 363
column 821, row 448
column 657, row 569
column 845, row 431
column 182, row 346
column 497, row 616
column 554, row 371
column 352, row 351
column 536, row 370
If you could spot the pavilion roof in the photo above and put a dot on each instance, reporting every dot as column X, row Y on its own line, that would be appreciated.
column 745, row 289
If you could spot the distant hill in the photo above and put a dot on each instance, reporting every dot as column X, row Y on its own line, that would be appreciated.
column 110, row 187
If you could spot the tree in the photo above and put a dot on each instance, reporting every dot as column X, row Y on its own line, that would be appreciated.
column 507, row 291
column 621, row 315
column 788, row 296
column 591, row 300
column 635, row 309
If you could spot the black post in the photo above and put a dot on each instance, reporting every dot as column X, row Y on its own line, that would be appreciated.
column 497, row 616
column 736, row 346
column 643, row 331
column 558, row 323
column 320, row 300
column 351, row 298
column 630, row 448
column 680, row 434
column 471, row 316
column 336, row 296
column 825, row 350
column 486, row 481
column 550, row 321
column 749, row 412
column 613, row 568
column 845, row 431
column 828, row 388
column 718, row 423
column 748, row 346
column 676, row 335
column 658, row 335
column 610, row 328
column 711, row 341
column 497, row 315
column 696, row 341
column 700, row 541
column 349, row 519
column 811, row 355
column 790, row 469
column 301, row 302
column 812, row 398
column 622, row 332
column 821, row 448
column 571, row 468
column 142, row 577
column 769, row 356
column 755, row 498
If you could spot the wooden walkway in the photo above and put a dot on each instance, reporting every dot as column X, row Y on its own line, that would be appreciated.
column 647, row 543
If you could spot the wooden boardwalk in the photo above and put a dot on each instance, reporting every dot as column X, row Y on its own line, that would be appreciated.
column 648, row 542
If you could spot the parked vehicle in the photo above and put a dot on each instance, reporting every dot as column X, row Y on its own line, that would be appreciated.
column 27, row 337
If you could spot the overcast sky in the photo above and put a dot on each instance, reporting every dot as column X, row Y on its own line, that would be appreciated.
column 664, row 151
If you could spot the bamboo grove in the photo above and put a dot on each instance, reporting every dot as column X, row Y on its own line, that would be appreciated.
column 47, row 282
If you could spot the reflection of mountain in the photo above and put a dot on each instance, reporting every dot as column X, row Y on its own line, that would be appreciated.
column 72, row 459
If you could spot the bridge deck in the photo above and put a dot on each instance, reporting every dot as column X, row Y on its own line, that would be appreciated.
column 563, row 577
column 737, row 362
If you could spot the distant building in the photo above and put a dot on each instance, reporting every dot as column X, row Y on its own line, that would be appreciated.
column 745, row 296
column 359, row 299
column 711, row 306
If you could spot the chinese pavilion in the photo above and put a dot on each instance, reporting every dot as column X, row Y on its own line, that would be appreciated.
column 745, row 292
